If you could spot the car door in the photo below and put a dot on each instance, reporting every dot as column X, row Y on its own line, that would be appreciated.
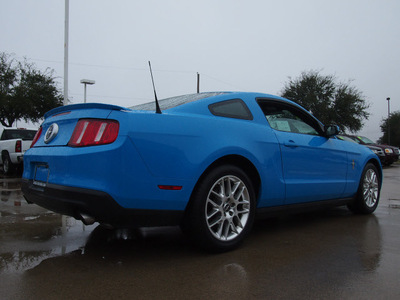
column 314, row 166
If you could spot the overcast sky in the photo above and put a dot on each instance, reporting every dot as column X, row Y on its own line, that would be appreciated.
column 252, row 45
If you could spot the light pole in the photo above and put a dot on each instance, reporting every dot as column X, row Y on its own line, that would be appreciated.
column 86, row 82
column 388, row 119
column 66, row 34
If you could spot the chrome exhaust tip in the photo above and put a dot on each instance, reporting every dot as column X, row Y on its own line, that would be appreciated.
column 86, row 219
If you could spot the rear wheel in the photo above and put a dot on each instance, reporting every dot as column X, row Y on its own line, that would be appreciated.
column 222, row 209
column 8, row 166
column 368, row 193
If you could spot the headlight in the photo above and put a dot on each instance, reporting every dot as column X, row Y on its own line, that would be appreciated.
column 388, row 151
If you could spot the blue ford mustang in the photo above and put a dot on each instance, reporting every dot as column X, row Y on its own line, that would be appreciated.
column 210, row 162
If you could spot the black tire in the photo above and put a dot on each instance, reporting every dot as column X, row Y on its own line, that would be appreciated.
column 367, row 197
column 222, row 209
column 8, row 166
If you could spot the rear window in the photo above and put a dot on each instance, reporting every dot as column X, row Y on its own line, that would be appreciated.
column 235, row 108
column 24, row 134
column 174, row 101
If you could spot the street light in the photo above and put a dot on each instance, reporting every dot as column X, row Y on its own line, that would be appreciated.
column 86, row 82
column 388, row 119
column 66, row 30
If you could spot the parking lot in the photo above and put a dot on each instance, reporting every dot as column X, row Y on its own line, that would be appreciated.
column 322, row 255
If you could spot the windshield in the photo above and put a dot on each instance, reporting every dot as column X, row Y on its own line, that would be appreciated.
column 366, row 140
column 346, row 138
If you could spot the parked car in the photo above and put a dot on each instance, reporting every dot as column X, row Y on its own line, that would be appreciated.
column 391, row 153
column 13, row 144
column 377, row 150
column 209, row 162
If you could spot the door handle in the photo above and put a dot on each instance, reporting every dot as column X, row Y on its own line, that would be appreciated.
column 290, row 144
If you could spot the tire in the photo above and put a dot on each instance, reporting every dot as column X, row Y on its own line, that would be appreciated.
column 367, row 197
column 8, row 166
column 222, row 209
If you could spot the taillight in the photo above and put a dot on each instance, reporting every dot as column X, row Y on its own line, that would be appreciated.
column 37, row 136
column 93, row 132
column 18, row 146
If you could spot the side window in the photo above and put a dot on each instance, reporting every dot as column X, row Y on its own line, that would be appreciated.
column 285, row 117
column 231, row 109
column 4, row 136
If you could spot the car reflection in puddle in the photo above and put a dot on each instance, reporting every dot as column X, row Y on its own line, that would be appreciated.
column 30, row 234
column 26, row 241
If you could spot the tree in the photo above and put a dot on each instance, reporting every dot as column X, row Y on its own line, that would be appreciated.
column 394, row 122
column 25, row 92
column 329, row 101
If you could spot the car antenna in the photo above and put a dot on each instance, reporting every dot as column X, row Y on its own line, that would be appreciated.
column 158, row 110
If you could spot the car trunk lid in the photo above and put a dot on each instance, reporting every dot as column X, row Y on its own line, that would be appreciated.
column 59, row 123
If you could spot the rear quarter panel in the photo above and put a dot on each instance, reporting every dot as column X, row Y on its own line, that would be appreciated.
column 182, row 146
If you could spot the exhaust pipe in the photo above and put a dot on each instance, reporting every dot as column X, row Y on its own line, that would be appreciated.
column 86, row 219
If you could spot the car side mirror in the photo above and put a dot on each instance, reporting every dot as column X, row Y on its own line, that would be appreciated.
column 331, row 130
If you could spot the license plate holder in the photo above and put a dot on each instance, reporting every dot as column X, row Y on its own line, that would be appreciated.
column 41, row 175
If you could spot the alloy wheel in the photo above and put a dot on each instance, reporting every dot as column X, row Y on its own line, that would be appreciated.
column 370, row 188
column 227, row 208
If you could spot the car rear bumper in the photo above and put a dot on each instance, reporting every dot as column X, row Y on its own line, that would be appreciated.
column 91, row 205
column 116, row 169
column 16, row 158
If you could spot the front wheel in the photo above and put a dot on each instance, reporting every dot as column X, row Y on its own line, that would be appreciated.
column 222, row 209
column 367, row 197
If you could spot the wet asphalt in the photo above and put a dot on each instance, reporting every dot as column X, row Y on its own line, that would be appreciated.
column 321, row 255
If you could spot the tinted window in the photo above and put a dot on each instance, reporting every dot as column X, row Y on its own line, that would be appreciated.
column 346, row 138
column 232, row 109
column 285, row 117
column 11, row 134
column 365, row 140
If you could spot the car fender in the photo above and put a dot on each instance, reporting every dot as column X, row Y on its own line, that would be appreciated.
column 358, row 157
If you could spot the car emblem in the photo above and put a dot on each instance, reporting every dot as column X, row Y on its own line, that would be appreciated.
column 51, row 133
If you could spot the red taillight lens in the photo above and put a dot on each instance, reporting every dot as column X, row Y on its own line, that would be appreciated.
column 37, row 136
column 170, row 187
column 18, row 146
column 93, row 132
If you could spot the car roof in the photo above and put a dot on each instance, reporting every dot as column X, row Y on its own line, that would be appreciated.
column 199, row 103
column 171, row 102
column 176, row 101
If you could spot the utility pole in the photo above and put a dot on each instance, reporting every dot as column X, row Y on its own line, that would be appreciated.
column 66, row 28
column 198, row 82
column 388, row 119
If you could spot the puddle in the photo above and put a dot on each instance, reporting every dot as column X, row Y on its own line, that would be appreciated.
column 10, row 184
column 25, row 242
column 30, row 234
